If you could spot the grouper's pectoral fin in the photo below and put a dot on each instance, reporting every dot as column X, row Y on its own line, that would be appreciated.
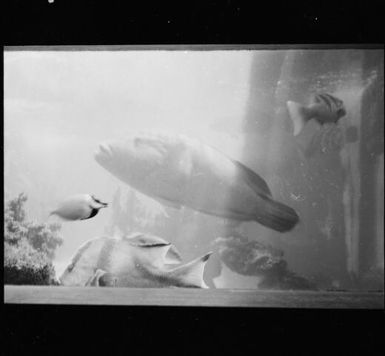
column 173, row 256
column 145, row 240
column 256, row 182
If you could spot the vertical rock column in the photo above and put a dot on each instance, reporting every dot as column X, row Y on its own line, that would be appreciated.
column 371, row 232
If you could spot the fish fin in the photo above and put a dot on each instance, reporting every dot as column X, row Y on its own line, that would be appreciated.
column 299, row 114
column 93, row 213
column 173, row 256
column 256, row 182
column 191, row 274
column 94, row 280
column 145, row 240
column 276, row 216
column 161, row 251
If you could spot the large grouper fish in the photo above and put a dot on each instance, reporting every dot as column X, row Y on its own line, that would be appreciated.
column 138, row 260
column 179, row 171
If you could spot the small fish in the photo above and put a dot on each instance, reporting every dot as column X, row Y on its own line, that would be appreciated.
column 79, row 207
column 324, row 108
column 182, row 172
column 139, row 260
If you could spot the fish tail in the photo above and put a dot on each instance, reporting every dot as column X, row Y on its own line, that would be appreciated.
column 277, row 216
column 191, row 274
column 299, row 114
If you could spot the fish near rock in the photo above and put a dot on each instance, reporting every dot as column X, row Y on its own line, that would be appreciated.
column 139, row 260
column 79, row 207
column 324, row 108
column 179, row 171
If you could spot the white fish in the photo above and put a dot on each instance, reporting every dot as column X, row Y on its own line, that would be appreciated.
column 324, row 108
column 179, row 171
column 79, row 207
column 139, row 260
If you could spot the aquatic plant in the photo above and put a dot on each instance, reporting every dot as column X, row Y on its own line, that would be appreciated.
column 29, row 246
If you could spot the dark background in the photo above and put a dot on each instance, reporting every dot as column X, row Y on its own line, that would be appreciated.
column 59, row 329
column 38, row 22
column 71, row 330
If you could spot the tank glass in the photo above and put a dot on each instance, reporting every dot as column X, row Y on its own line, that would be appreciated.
column 270, row 159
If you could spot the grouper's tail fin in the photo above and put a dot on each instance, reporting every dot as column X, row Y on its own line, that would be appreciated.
column 276, row 216
column 299, row 114
column 190, row 275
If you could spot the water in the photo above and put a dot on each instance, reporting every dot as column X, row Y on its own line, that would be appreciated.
column 60, row 105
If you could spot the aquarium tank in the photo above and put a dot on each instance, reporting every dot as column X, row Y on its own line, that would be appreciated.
column 265, row 167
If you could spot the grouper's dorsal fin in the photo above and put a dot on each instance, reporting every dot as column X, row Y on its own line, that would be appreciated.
column 145, row 240
column 257, row 183
column 161, row 251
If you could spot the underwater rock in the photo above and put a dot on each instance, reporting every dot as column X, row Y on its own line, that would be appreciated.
column 248, row 257
column 252, row 258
